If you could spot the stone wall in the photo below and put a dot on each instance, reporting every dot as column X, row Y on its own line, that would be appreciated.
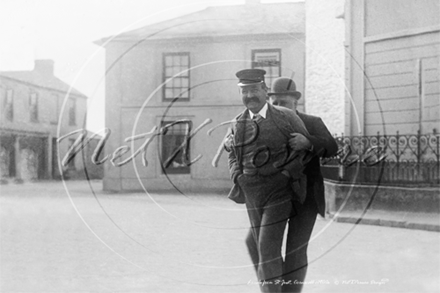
column 356, row 197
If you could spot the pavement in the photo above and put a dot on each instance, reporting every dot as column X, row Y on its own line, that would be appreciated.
column 73, row 237
column 408, row 220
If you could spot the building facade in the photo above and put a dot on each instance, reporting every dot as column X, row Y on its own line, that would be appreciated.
column 166, row 80
column 373, row 65
column 392, row 67
column 37, row 108
column 391, row 74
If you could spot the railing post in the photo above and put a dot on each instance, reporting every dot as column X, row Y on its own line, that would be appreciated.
column 397, row 156
column 341, row 167
column 379, row 151
column 418, row 147
column 397, row 149
column 438, row 159
column 419, row 153
column 378, row 142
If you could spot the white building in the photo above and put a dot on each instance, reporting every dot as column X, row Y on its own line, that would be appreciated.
column 194, row 59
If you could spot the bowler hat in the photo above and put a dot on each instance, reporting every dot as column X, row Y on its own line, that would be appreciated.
column 284, row 86
column 250, row 76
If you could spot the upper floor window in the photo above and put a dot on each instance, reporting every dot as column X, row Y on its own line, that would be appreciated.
column 9, row 105
column 269, row 60
column 175, row 153
column 72, row 111
column 175, row 67
column 55, row 109
column 33, row 107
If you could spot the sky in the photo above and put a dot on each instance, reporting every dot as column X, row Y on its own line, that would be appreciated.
column 64, row 31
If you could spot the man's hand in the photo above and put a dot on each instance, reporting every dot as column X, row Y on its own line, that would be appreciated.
column 285, row 173
column 299, row 142
column 235, row 179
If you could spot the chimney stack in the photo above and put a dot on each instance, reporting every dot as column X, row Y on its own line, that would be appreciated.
column 44, row 66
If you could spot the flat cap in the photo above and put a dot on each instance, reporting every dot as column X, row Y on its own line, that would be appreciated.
column 250, row 76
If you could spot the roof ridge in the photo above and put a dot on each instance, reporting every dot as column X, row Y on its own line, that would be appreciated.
column 30, row 81
column 102, row 40
column 173, row 28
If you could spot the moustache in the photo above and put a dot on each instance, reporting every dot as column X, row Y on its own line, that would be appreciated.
column 253, row 99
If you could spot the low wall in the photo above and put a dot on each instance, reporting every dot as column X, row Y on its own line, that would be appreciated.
column 347, row 196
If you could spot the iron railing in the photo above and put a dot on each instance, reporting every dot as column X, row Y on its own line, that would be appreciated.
column 406, row 159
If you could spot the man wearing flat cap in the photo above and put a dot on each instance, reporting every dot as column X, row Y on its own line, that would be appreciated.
column 318, row 142
column 265, row 172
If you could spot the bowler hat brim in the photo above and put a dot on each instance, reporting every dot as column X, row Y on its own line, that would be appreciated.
column 289, row 93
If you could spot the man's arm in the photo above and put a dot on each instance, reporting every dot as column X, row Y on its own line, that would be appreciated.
column 319, row 140
column 234, row 166
column 293, row 124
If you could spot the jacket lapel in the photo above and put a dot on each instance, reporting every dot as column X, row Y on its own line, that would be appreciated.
column 239, row 134
column 280, row 120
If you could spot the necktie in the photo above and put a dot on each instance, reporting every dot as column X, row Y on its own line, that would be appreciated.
column 257, row 117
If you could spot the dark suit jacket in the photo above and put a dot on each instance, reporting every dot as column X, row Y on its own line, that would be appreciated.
column 287, row 122
column 324, row 145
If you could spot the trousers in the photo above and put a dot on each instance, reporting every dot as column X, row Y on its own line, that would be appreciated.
column 268, row 203
column 300, row 227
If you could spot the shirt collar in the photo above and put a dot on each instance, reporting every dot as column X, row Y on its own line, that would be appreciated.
column 262, row 112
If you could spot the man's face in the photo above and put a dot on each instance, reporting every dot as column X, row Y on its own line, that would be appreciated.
column 286, row 101
column 254, row 96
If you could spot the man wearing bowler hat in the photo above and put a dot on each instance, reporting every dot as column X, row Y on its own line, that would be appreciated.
column 319, row 142
column 265, row 172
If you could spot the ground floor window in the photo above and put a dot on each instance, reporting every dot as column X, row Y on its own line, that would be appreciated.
column 175, row 150
column 71, row 163
column 7, row 156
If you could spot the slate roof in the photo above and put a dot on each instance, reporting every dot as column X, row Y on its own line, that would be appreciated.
column 42, row 80
column 215, row 21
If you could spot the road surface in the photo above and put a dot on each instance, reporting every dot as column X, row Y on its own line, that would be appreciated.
column 75, row 238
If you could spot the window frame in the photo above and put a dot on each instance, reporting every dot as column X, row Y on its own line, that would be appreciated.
column 55, row 99
column 165, row 77
column 71, row 165
column 183, row 170
column 72, row 117
column 33, row 116
column 268, row 79
column 9, row 105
